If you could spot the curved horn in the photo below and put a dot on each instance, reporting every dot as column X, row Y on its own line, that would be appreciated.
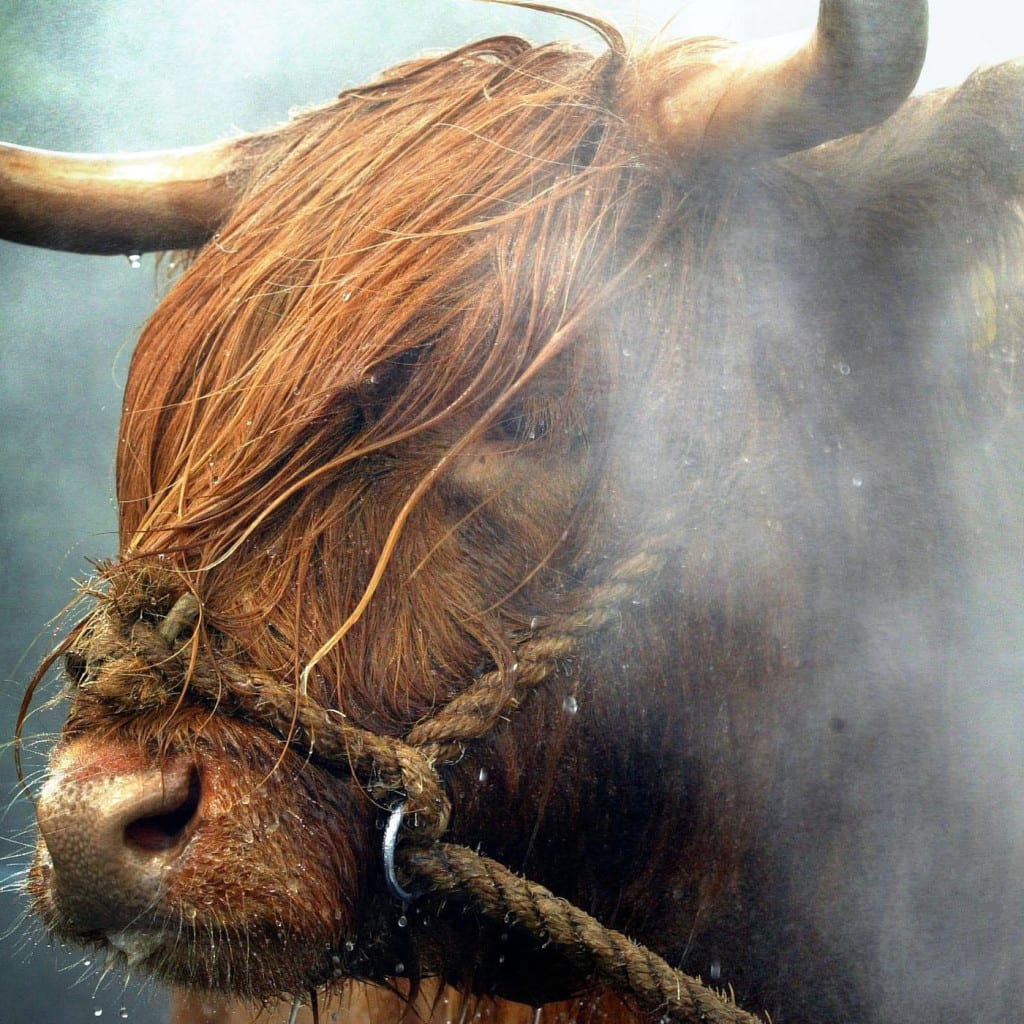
column 772, row 98
column 122, row 203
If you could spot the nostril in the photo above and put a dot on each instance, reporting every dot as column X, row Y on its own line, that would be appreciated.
column 167, row 829
column 113, row 828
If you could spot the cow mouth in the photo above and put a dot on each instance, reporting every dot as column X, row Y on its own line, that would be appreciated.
column 135, row 946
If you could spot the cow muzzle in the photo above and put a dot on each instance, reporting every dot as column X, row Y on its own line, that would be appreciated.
column 112, row 829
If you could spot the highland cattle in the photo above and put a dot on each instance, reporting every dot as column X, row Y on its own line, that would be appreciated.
column 605, row 462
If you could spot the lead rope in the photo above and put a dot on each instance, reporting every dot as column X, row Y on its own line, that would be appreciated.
column 132, row 663
column 659, row 990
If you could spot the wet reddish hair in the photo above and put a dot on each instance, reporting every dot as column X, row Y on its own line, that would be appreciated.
column 413, row 400
column 330, row 424
column 396, row 275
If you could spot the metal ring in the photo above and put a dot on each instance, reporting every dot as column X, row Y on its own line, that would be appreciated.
column 390, row 842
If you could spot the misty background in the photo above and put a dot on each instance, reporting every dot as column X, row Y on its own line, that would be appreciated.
column 106, row 75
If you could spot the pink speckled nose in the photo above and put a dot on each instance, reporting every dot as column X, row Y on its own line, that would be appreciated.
column 112, row 834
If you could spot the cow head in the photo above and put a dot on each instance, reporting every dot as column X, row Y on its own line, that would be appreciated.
column 484, row 385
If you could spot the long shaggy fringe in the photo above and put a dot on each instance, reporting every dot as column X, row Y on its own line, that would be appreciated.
column 396, row 274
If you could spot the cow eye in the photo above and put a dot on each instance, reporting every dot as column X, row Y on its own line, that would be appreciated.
column 378, row 389
column 525, row 421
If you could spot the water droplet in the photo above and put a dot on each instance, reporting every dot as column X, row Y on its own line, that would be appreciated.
column 483, row 775
column 716, row 969
column 843, row 368
column 399, row 967
column 97, row 1013
column 570, row 705
column 501, row 959
column 346, row 297
column 533, row 623
column 403, row 921
column 134, row 261
column 123, row 1013
column 350, row 945
column 857, row 481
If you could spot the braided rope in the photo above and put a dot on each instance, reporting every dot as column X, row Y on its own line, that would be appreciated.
column 133, row 658
column 473, row 714
column 504, row 897
column 134, row 665
column 137, row 663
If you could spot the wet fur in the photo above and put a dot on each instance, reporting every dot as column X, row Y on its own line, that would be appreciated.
column 347, row 379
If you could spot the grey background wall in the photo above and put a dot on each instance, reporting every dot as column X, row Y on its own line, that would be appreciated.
column 106, row 75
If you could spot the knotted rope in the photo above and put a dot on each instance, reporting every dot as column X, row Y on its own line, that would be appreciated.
column 135, row 653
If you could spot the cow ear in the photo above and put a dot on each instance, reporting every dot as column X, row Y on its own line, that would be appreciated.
column 970, row 136
column 928, row 205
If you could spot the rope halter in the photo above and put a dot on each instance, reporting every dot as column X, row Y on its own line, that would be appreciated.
column 136, row 652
